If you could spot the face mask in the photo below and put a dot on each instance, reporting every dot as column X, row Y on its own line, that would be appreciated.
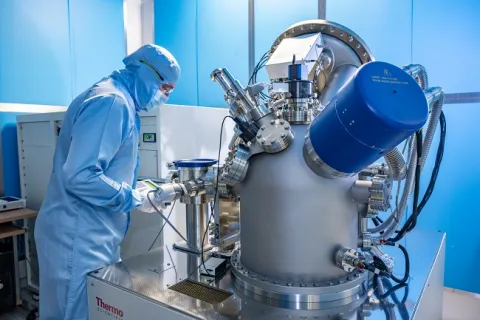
column 158, row 100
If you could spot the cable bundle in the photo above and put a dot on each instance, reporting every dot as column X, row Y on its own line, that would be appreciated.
column 258, row 67
column 417, row 209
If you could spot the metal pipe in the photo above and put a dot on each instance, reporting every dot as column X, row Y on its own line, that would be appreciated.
column 218, row 76
column 196, row 224
column 240, row 103
column 362, row 225
column 251, row 36
column 322, row 9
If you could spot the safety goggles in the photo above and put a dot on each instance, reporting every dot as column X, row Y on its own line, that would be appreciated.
column 166, row 87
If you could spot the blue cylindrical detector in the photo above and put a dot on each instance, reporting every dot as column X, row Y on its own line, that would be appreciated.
column 379, row 107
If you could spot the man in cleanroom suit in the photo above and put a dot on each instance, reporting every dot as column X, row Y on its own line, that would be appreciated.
column 85, row 214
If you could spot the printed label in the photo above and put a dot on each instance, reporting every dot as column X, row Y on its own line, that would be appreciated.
column 388, row 78
column 109, row 310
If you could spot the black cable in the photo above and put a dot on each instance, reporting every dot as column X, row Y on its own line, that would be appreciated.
column 402, row 309
column 212, row 209
column 385, row 310
column 253, row 78
column 416, row 192
column 401, row 304
column 391, row 291
column 258, row 67
column 165, row 218
column 412, row 220
column 438, row 162
column 405, row 295
column 377, row 271
column 161, row 229
column 406, row 276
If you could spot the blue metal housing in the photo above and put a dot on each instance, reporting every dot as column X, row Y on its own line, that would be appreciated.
column 379, row 107
column 194, row 163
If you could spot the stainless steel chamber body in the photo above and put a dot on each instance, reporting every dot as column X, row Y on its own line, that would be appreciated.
column 293, row 220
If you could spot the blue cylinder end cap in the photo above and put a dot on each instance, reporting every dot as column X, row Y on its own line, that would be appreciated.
column 194, row 163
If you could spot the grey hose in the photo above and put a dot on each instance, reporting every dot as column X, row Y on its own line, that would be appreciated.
column 396, row 164
column 417, row 72
column 435, row 96
column 394, row 158
column 390, row 225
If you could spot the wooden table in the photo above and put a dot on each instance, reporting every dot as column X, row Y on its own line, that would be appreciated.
column 7, row 229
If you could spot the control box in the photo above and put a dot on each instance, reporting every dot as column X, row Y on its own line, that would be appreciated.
column 11, row 203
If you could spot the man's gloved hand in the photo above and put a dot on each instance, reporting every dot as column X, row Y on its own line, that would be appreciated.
column 146, row 205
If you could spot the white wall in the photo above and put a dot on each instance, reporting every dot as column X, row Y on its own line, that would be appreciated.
column 138, row 20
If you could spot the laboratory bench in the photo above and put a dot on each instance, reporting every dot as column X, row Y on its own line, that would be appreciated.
column 9, row 230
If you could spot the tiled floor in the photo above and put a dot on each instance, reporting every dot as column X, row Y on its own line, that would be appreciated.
column 460, row 305
column 457, row 305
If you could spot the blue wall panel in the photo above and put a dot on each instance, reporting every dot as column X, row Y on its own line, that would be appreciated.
column 11, row 176
column 97, row 40
column 34, row 52
column 454, row 205
column 176, row 30
column 446, row 40
column 222, row 42
column 47, row 59
column 272, row 17
column 385, row 25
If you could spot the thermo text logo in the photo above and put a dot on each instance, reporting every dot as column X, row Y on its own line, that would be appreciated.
column 111, row 309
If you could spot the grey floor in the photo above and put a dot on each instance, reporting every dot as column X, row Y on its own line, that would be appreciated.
column 457, row 305
column 460, row 305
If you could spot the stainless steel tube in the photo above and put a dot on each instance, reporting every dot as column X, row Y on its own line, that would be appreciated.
column 241, row 103
column 196, row 224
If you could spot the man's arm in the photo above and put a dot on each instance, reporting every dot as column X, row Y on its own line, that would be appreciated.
column 97, row 135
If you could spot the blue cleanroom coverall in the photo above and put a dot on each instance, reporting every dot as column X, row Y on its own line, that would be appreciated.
column 85, row 214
